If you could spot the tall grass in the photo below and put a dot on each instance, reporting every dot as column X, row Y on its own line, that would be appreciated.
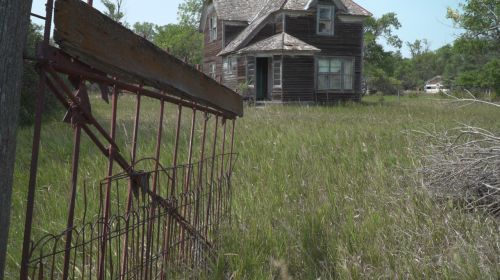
column 319, row 192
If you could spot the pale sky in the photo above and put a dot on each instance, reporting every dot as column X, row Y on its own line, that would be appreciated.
column 422, row 19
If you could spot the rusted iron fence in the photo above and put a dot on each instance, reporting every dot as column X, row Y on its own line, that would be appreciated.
column 139, row 224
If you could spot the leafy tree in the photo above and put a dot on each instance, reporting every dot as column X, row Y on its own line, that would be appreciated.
column 383, row 28
column 145, row 29
column 114, row 10
column 182, row 41
column 418, row 47
column 478, row 49
column 189, row 12
column 382, row 82
column 380, row 65
column 480, row 19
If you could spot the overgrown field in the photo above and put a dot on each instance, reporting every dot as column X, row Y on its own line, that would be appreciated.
column 319, row 192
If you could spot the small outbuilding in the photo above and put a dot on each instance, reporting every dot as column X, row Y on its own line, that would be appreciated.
column 435, row 85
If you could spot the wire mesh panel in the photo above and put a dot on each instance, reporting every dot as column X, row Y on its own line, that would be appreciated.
column 147, row 236
column 158, row 210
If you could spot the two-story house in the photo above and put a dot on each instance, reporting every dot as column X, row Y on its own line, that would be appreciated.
column 285, row 50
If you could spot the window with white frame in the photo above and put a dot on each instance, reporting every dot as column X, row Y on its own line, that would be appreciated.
column 230, row 65
column 277, row 71
column 212, row 70
column 251, row 70
column 213, row 28
column 335, row 73
column 325, row 20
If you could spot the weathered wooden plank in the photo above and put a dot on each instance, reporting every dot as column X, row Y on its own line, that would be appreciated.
column 95, row 39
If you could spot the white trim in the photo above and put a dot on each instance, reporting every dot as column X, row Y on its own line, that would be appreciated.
column 212, row 28
column 339, row 4
column 230, row 64
column 212, row 70
column 332, row 20
column 281, row 71
column 352, row 19
column 287, row 53
column 207, row 9
column 342, row 74
column 309, row 4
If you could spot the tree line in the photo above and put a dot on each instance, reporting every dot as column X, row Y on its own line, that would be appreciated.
column 471, row 62
column 181, row 39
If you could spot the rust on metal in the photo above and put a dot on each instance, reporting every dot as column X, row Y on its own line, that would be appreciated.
column 140, row 224
column 86, row 33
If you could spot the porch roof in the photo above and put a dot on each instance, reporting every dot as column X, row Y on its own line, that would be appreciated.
column 280, row 43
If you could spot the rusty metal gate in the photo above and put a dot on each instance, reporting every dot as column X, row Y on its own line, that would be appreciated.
column 140, row 223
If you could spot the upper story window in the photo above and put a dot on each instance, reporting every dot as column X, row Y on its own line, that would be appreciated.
column 213, row 28
column 279, row 23
column 325, row 20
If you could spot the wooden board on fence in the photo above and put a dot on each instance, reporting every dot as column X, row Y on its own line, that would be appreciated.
column 97, row 40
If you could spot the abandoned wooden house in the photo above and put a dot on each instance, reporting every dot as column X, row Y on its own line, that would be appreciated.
column 285, row 50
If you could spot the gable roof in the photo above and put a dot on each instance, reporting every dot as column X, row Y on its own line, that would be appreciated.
column 434, row 80
column 260, row 20
column 248, row 10
column 281, row 42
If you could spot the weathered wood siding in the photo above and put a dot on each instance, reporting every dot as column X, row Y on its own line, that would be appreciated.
column 267, row 31
column 231, row 32
column 230, row 80
column 211, row 49
column 298, row 78
column 347, row 41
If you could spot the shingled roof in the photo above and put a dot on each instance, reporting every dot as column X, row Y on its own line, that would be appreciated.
column 249, row 10
column 355, row 9
column 260, row 19
column 256, row 13
column 238, row 10
column 282, row 42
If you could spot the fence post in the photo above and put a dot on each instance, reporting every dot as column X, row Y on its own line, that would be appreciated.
column 14, row 19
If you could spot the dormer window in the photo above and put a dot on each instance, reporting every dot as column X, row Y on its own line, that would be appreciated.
column 213, row 28
column 325, row 20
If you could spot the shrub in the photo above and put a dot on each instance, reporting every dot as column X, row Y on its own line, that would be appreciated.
column 30, row 81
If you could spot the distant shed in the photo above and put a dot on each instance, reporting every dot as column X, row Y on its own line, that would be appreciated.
column 435, row 85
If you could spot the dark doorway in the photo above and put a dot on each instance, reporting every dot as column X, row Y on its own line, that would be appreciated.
column 262, row 77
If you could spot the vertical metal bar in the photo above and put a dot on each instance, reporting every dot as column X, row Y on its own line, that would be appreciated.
column 199, row 189
column 148, row 270
column 176, row 151
column 158, row 147
column 168, row 229
column 214, row 152
column 221, row 176
column 130, row 190
column 102, row 256
column 232, row 149
column 24, row 274
column 71, row 214
column 32, row 180
column 230, row 175
column 188, row 177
